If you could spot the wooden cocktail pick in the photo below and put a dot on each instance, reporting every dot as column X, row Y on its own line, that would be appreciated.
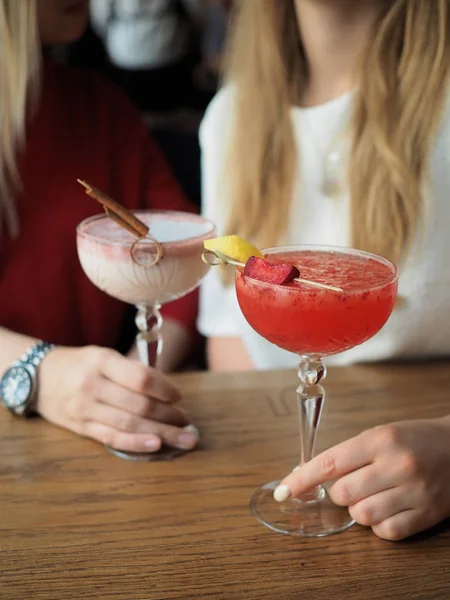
column 214, row 257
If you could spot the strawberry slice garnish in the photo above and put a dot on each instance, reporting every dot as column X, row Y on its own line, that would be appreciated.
column 263, row 270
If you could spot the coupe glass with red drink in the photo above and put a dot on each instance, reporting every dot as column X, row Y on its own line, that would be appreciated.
column 333, row 300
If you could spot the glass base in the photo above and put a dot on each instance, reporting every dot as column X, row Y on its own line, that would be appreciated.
column 165, row 453
column 317, row 517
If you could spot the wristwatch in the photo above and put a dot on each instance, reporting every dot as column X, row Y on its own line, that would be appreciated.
column 18, row 386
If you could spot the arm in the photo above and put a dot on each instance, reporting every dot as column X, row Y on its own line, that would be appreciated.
column 228, row 354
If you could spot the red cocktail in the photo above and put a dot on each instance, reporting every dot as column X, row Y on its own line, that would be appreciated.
column 315, row 322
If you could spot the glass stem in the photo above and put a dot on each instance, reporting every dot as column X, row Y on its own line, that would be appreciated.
column 311, row 397
column 149, row 340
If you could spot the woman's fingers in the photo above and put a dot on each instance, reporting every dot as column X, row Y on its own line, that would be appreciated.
column 121, row 440
column 125, row 428
column 362, row 483
column 402, row 525
column 137, row 377
column 140, row 406
column 331, row 464
column 381, row 506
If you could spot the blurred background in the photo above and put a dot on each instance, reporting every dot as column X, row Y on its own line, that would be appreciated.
column 166, row 56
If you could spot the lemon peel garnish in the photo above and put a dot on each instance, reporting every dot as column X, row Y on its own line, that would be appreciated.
column 234, row 247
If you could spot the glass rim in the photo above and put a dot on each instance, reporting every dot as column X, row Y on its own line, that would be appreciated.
column 330, row 249
column 81, row 232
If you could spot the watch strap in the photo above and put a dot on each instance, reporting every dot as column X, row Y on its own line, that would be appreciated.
column 35, row 354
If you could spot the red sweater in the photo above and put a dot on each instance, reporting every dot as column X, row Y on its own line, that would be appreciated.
column 83, row 128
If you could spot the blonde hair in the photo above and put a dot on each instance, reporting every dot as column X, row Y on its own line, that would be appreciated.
column 19, row 77
column 397, row 109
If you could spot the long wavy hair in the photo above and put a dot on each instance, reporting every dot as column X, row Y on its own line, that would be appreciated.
column 19, row 81
column 398, row 104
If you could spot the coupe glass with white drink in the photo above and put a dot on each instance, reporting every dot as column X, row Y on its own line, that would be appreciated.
column 147, row 272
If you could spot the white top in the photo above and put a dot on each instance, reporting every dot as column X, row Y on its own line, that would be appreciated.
column 144, row 34
column 419, row 329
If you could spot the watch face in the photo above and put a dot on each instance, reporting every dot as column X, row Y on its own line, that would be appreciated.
column 15, row 387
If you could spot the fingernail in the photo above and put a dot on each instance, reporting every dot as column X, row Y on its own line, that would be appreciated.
column 281, row 493
column 152, row 444
column 189, row 438
column 192, row 429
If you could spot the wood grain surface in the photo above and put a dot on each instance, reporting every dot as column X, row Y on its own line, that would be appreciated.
column 78, row 523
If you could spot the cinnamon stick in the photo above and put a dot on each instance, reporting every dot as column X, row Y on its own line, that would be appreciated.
column 115, row 211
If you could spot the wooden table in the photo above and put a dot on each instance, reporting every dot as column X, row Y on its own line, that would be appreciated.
column 78, row 523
